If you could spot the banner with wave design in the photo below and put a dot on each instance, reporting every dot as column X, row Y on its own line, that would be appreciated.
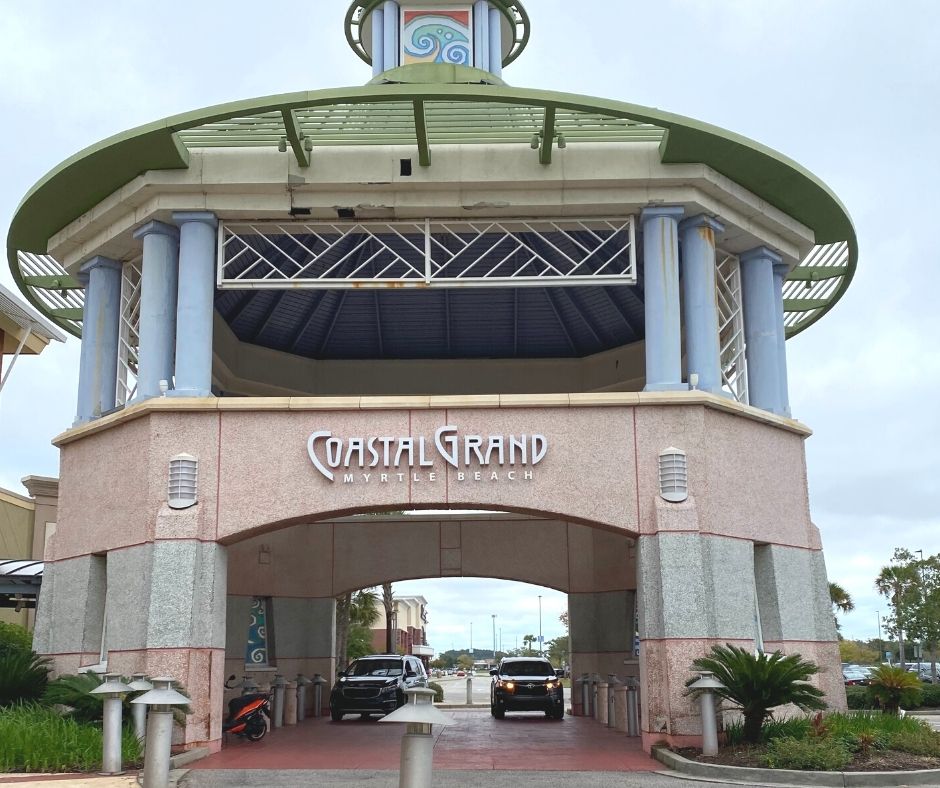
column 437, row 35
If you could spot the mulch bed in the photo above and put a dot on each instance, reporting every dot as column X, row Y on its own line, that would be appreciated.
column 876, row 761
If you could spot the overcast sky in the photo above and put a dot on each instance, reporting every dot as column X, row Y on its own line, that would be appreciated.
column 848, row 88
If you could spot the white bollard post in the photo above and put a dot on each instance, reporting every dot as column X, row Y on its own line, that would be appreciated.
column 585, row 695
column 139, row 712
column 417, row 745
column 159, row 730
column 611, row 693
column 318, row 682
column 469, row 691
column 706, row 685
column 279, row 684
column 111, row 688
column 290, row 703
column 602, row 688
column 633, row 711
column 620, row 707
column 302, row 682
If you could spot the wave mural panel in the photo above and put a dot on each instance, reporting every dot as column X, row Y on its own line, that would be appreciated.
column 431, row 35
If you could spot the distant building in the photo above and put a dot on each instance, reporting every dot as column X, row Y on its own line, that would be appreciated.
column 409, row 635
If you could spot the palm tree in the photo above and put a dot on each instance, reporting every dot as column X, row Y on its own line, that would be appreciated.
column 758, row 683
column 896, row 584
column 362, row 609
column 527, row 641
column 343, row 604
column 389, row 604
column 842, row 601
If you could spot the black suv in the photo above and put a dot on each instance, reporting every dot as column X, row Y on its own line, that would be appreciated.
column 375, row 685
column 526, row 684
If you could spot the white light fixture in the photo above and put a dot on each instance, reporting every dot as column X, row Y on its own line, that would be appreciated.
column 673, row 475
column 181, row 491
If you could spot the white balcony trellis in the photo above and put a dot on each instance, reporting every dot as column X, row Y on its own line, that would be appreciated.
column 731, row 327
column 128, row 336
column 427, row 253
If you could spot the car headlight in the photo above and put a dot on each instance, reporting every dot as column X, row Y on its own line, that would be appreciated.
column 550, row 685
column 508, row 685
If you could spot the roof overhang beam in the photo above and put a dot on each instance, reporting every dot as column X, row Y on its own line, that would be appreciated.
column 421, row 132
column 295, row 137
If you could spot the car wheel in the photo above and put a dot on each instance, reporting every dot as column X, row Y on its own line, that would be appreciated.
column 499, row 711
column 336, row 715
column 558, row 714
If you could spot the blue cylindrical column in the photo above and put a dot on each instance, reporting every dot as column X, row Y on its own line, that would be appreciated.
column 496, row 42
column 157, row 308
column 195, row 303
column 101, row 321
column 760, row 328
column 378, row 41
column 390, row 28
column 700, row 300
column 780, row 273
column 481, row 35
column 661, row 298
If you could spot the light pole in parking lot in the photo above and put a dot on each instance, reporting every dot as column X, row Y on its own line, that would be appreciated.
column 540, row 625
column 494, row 640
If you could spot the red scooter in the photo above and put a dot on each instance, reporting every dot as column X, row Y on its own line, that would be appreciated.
column 248, row 715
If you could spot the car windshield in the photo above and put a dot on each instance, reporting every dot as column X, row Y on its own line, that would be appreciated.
column 527, row 669
column 375, row 667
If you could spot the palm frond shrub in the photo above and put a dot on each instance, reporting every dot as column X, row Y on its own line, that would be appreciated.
column 756, row 683
column 893, row 687
column 23, row 676
column 14, row 637
column 72, row 692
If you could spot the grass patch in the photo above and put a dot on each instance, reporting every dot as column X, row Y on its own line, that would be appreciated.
column 38, row 739
column 815, row 754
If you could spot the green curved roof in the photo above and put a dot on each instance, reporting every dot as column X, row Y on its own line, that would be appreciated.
column 424, row 113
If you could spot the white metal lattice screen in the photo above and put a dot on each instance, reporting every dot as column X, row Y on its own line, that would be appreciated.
column 427, row 253
column 128, row 336
column 731, row 326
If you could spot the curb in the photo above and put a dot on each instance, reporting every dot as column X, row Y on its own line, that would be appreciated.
column 793, row 777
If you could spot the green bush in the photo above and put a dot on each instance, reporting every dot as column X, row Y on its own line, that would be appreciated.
column 920, row 741
column 438, row 691
column 817, row 754
column 23, row 676
column 894, row 687
column 859, row 698
column 792, row 727
column 37, row 739
column 13, row 636
column 73, row 693
column 930, row 696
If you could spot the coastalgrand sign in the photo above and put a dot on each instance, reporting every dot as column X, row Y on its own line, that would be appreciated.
column 390, row 459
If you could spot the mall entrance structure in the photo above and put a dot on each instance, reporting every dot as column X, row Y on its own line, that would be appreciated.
column 436, row 291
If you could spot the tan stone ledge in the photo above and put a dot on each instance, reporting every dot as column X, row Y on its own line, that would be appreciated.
column 435, row 402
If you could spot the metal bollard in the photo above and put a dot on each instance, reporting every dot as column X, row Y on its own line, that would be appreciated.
column 111, row 688
column 611, row 690
column 278, row 685
column 620, row 708
column 469, row 690
column 248, row 685
column 633, row 708
column 139, row 712
column 602, row 692
column 707, row 684
column 318, row 682
column 585, row 695
column 595, row 678
column 302, row 682
column 290, row 703
column 159, row 730
column 417, row 745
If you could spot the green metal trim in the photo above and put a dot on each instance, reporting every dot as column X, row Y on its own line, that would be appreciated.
column 512, row 10
column 804, row 304
column 66, row 314
column 548, row 136
column 421, row 133
column 295, row 137
column 86, row 178
column 64, row 282
column 817, row 274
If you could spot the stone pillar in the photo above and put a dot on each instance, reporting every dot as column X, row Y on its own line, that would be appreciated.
column 195, row 303
column 481, row 35
column 601, row 629
column 101, row 322
column 378, row 41
column 157, row 308
column 760, row 328
column 780, row 273
column 661, row 296
column 390, row 28
column 700, row 301
column 496, row 42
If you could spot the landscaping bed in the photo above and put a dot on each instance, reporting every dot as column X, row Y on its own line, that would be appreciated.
column 835, row 742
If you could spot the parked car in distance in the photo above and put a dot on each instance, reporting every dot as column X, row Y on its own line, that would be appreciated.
column 375, row 685
column 526, row 684
column 855, row 675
